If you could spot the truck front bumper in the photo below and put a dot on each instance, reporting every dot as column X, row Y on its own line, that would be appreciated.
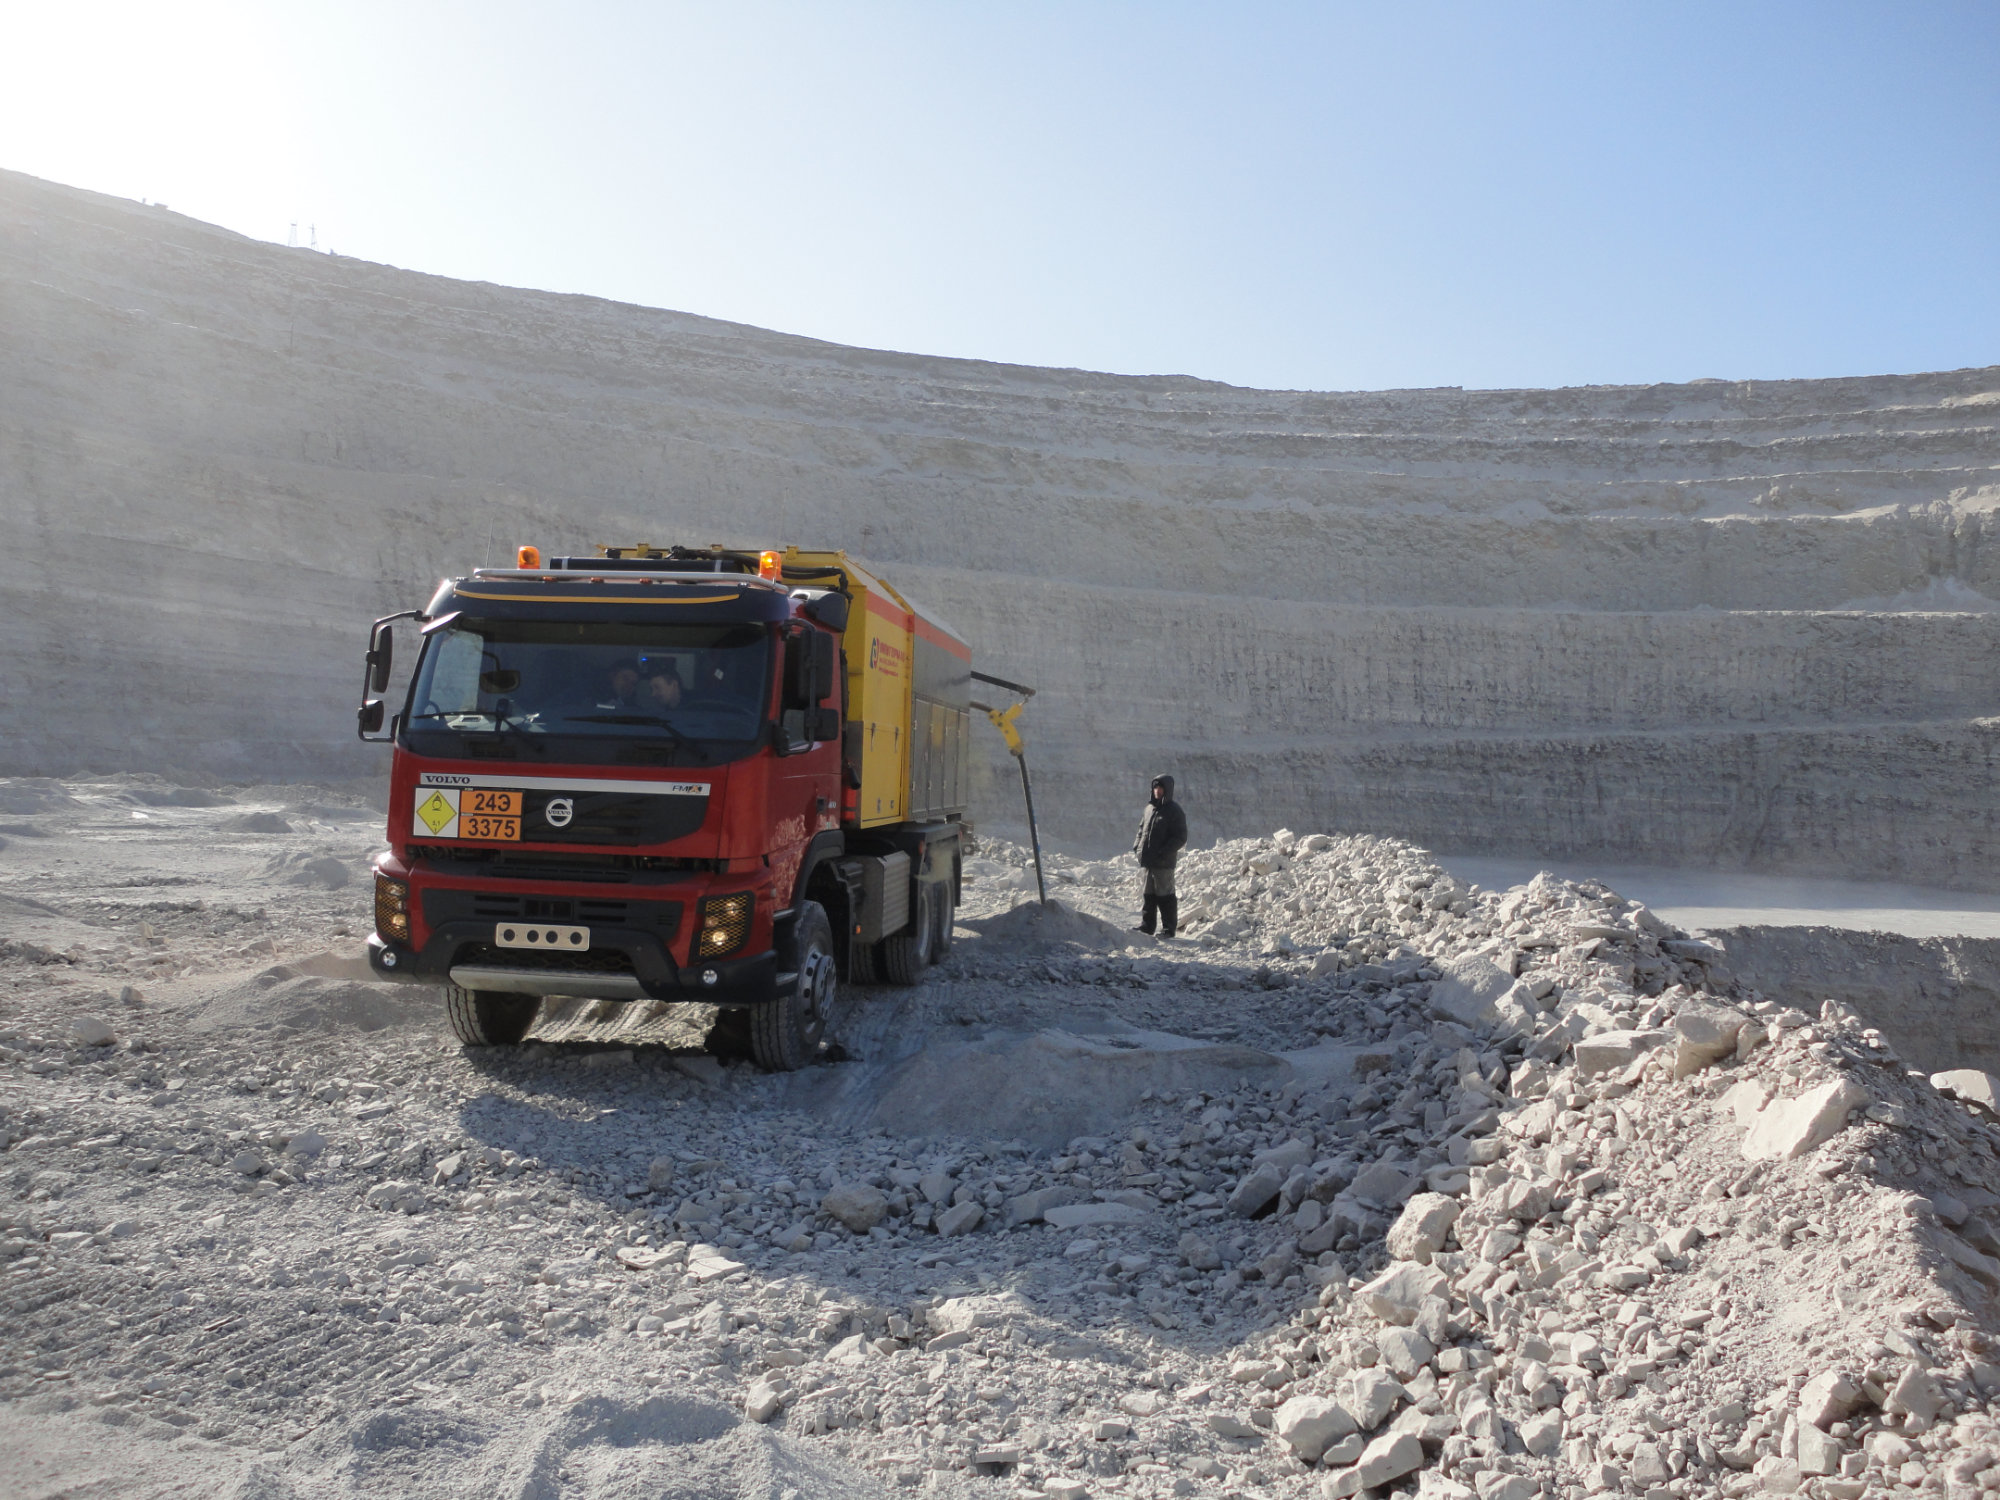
column 653, row 974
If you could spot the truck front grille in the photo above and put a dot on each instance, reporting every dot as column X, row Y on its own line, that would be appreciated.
column 593, row 961
column 442, row 906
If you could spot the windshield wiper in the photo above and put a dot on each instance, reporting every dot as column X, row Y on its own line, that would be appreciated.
column 653, row 719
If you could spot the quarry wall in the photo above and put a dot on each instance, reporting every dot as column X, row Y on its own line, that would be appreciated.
column 1745, row 621
column 1937, row 999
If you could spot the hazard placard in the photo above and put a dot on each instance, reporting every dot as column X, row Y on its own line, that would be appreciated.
column 437, row 814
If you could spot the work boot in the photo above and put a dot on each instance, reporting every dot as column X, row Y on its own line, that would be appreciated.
column 1170, row 915
column 1146, row 917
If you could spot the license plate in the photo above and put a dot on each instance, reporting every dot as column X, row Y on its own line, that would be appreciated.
column 541, row 935
column 483, row 826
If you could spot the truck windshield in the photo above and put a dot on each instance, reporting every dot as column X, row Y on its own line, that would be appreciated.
column 547, row 690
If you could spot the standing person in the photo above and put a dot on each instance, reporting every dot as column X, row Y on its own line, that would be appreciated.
column 1162, row 836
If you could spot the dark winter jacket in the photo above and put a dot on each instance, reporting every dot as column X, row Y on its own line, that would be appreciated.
column 1162, row 831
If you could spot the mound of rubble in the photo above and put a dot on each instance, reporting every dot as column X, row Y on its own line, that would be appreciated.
column 1514, row 1194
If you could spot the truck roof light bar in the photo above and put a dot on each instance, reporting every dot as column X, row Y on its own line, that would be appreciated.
column 653, row 575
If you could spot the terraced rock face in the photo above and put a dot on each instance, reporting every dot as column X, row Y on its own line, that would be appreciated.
column 1742, row 622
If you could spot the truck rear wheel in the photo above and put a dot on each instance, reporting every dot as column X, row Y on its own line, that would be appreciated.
column 489, row 1018
column 906, row 954
column 947, row 914
column 787, row 1033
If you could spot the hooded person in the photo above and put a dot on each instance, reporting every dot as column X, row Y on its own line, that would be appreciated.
column 1162, row 836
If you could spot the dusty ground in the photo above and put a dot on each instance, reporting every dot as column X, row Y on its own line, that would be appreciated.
column 281, row 1236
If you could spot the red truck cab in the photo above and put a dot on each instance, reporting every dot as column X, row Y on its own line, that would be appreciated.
column 623, row 779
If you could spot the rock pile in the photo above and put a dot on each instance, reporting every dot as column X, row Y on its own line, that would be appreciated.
column 1527, row 1197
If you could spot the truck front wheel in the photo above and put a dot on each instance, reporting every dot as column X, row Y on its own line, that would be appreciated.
column 489, row 1018
column 787, row 1033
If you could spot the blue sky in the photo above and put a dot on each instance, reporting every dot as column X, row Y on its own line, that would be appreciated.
column 1323, row 196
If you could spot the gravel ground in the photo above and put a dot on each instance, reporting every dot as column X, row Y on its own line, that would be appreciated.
column 1375, row 1181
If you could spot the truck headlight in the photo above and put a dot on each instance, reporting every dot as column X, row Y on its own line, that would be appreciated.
column 725, row 924
column 392, row 908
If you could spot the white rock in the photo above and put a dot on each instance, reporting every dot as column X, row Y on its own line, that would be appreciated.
column 1254, row 1193
column 960, row 1218
column 1818, row 1453
column 937, row 1187
column 1374, row 1395
column 1475, row 991
column 660, row 1174
column 1432, row 1485
column 1781, row 1476
column 1382, row 1183
column 1827, row 1398
column 305, row 1145
column 763, row 1402
column 979, row 1310
column 1198, row 1253
column 1420, row 1230
column 89, row 1031
column 857, row 1205
column 1916, row 1394
column 1971, row 1086
column 1743, row 1101
column 1404, row 1350
column 1030, row 1207
column 1542, row 1434
column 1613, row 1051
column 1311, row 1424
column 1494, row 1485
column 1788, row 1128
column 1062, row 1487
column 1286, row 1158
column 1390, row 1456
column 1397, row 1294
column 1705, row 1034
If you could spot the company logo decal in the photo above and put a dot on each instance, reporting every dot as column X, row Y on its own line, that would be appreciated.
column 559, row 811
column 885, row 658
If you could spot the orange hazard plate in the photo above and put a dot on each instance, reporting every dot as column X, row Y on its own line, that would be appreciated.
column 481, row 826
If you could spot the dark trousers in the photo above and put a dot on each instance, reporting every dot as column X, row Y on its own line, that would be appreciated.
column 1164, row 906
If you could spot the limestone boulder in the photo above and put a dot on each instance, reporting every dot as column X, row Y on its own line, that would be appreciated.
column 1312, row 1424
column 1421, row 1229
column 1787, row 1129
column 1613, row 1051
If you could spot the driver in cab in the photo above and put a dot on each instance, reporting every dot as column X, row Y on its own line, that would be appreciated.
column 662, row 692
column 624, row 694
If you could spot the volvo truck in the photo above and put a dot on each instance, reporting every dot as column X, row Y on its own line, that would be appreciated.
column 673, row 773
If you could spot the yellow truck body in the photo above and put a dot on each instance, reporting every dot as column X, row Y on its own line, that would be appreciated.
column 909, row 682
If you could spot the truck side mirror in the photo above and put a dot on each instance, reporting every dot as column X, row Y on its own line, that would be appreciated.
column 811, row 668
column 381, row 657
column 829, row 610
column 369, row 717
column 823, row 724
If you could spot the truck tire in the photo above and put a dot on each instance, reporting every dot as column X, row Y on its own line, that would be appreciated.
column 906, row 954
column 947, row 913
column 489, row 1018
column 862, row 965
column 787, row 1033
